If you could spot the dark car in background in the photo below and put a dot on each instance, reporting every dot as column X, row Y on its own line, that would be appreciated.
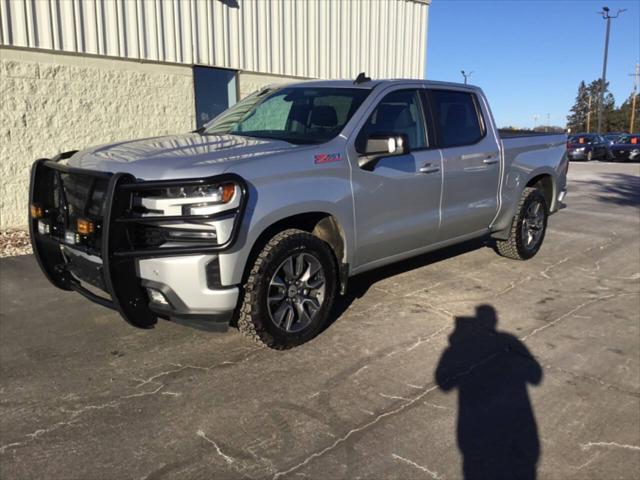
column 587, row 146
column 611, row 138
column 626, row 148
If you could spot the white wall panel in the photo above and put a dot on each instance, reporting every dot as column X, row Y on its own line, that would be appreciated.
column 306, row 38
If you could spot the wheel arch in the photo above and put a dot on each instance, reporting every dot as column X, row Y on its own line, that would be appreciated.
column 544, row 178
column 546, row 184
column 322, row 224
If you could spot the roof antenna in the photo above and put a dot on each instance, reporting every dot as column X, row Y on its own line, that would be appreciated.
column 361, row 78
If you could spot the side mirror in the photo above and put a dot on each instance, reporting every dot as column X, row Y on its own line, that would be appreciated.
column 380, row 146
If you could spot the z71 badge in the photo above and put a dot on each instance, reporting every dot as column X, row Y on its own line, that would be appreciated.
column 326, row 158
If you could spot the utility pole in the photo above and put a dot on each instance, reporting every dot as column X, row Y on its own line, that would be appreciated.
column 636, row 77
column 603, row 80
column 535, row 120
column 466, row 75
column 589, row 116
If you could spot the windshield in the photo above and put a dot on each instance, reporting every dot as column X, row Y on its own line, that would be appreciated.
column 581, row 139
column 293, row 114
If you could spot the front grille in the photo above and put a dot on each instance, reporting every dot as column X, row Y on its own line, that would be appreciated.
column 84, row 195
column 149, row 236
column 76, row 196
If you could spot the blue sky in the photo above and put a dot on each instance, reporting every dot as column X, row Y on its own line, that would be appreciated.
column 530, row 55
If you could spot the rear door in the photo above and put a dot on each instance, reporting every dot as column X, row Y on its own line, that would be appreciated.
column 397, row 203
column 471, row 162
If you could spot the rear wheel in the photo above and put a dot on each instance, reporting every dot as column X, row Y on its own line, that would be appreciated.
column 290, row 291
column 528, row 227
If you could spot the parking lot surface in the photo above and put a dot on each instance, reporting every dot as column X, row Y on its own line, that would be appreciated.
column 458, row 363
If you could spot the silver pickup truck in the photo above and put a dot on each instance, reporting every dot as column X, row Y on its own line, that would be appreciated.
column 260, row 217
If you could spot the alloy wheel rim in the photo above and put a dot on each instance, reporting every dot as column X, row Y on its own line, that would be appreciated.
column 533, row 225
column 296, row 292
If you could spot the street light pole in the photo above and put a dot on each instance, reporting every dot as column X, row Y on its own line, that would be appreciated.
column 603, row 80
column 466, row 75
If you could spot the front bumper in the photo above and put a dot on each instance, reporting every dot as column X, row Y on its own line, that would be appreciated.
column 572, row 155
column 626, row 154
column 116, row 263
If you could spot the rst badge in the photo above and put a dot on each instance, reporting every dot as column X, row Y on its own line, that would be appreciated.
column 326, row 158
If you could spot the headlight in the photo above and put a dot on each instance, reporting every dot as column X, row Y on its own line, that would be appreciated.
column 213, row 193
column 190, row 200
column 581, row 149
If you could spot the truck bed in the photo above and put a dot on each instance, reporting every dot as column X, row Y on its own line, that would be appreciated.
column 523, row 133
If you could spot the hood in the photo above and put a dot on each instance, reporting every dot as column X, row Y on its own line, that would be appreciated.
column 176, row 156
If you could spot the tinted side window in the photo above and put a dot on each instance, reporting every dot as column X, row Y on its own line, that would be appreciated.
column 399, row 112
column 456, row 117
column 341, row 104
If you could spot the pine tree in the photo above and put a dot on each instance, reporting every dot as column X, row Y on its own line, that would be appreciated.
column 613, row 119
column 577, row 120
column 608, row 106
column 621, row 117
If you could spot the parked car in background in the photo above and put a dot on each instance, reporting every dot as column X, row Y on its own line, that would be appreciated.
column 611, row 138
column 587, row 146
column 626, row 148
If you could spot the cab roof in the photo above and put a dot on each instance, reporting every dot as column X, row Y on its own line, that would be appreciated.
column 371, row 84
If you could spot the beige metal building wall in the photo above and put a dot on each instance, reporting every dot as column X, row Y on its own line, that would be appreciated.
column 76, row 73
column 305, row 38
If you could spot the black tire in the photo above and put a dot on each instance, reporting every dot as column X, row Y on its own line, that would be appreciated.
column 254, row 319
column 515, row 246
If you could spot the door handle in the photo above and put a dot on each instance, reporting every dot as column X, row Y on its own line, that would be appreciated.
column 473, row 156
column 429, row 168
column 477, row 156
column 490, row 161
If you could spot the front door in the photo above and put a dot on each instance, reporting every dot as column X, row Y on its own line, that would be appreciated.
column 397, row 203
column 471, row 163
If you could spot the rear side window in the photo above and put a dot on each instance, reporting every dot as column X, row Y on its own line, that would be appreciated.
column 457, row 118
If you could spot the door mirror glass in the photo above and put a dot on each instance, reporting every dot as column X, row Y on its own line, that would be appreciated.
column 386, row 145
column 379, row 146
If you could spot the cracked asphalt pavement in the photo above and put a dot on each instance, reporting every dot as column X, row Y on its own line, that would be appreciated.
column 458, row 363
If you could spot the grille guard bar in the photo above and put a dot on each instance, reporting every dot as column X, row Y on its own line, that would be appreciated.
column 121, row 282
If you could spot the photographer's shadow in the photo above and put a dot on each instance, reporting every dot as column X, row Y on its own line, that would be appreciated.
column 497, row 431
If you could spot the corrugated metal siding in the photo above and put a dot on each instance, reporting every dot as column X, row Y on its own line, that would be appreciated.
column 306, row 38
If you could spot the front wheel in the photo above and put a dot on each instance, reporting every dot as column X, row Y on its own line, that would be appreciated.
column 290, row 291
column 589, row 156
column 528, row 227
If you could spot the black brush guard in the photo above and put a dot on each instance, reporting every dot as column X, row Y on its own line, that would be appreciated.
column 119, row 276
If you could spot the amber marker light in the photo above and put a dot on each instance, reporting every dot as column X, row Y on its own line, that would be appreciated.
column 228, row 189
column 36, row 211
column 85, row 227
